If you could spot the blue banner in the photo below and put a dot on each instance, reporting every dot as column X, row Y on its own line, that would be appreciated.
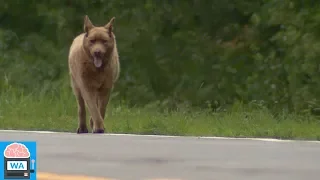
column 18, row 160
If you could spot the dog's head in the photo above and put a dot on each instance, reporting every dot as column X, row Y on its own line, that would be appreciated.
column 98, row 41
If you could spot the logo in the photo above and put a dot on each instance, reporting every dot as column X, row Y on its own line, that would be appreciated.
column 18, row 161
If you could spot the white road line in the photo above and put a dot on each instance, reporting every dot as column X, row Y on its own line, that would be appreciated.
column 165, row 136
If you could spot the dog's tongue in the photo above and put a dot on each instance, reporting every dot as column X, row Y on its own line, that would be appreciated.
column 97, row 62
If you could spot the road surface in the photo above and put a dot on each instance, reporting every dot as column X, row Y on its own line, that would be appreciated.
column 121, row 157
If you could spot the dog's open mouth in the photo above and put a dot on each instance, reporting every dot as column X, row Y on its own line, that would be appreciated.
column 97, row 62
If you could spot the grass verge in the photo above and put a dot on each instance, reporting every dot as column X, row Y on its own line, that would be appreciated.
column 59, row 113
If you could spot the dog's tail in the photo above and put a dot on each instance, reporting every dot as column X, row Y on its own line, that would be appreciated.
column 116, row 71
column 115, row 64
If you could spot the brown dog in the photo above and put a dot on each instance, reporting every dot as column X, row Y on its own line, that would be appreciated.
column 94, row 68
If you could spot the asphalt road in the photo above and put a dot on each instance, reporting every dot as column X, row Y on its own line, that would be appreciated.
column 183, row 158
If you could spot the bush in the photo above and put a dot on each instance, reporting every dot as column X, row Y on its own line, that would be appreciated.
column 196, row 53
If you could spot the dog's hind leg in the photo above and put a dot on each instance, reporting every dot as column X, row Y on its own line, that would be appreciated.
column 91, row 121
column 102, row 101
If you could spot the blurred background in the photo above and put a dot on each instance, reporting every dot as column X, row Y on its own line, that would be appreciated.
column 190, row 53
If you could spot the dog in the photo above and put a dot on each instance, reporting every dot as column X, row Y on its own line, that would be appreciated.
column 94, row 68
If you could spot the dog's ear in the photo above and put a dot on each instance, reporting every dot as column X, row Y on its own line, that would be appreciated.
column 87, row 25
column 109, row 26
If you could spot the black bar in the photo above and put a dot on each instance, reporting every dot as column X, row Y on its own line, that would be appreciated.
column 15, row 174
column 31, row 170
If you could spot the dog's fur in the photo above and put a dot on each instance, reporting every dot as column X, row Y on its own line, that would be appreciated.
column 94, row 67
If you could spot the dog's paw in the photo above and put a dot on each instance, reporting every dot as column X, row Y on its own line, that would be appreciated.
column 82, row 130
column 98, row 131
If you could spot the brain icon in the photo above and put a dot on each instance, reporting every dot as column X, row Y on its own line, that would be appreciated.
column 16, row 150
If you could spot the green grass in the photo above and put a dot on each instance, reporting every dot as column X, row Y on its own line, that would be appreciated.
column 59, row 113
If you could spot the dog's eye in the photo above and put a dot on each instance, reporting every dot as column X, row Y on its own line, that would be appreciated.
column 104, row 41
column 92, row 41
